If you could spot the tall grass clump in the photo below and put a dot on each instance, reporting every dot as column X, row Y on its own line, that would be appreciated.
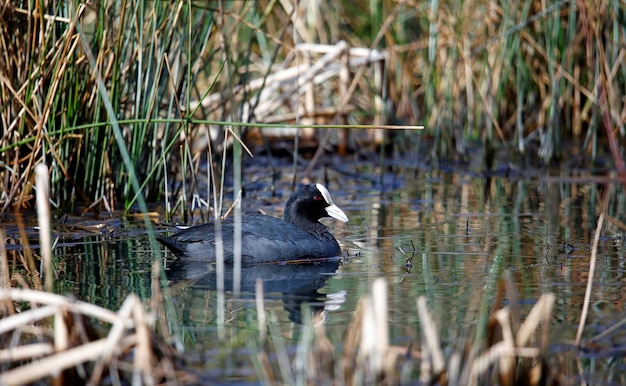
column 170, row 75
column 525, row 76
column 520, row 75
column 52, row 109
column 152, row 58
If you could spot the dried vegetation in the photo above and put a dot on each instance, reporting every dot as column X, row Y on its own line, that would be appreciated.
column 108, row 93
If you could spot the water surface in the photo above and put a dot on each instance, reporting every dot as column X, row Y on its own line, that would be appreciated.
column 448, row 236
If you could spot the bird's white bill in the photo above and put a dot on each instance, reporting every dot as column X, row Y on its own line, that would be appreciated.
column 334, row 212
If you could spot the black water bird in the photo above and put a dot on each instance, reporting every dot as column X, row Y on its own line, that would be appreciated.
column 268, row 239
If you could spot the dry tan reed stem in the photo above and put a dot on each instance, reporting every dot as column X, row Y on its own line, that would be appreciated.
column 260, row 310
column 513, row 296
column 430, row 337
column 482, row 363
column 616, row 222
column 592, row 271
column 113, row 339
column 506, row 362
column 53, row 364
column 302, row 79
column 455, row 368
column 61, row 332
column 32, row 296
column 25, row 352
column 616, row 327
column 374, row 328
column 25, row 318
column 309, row 96
column 156, row 300
column 506, row 350
column 4, row 262
column 351, row 342
column 6, row 306
column 301, row 73
column 542, row 311
column 143, row 348
column 379, row 300
column 43, row 217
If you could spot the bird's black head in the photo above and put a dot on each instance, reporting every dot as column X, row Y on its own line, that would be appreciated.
column 310, row 203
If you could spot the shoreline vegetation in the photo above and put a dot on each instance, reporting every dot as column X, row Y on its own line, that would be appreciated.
column 116, row 99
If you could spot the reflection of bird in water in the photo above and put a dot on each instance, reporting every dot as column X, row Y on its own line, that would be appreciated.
column 295, row 283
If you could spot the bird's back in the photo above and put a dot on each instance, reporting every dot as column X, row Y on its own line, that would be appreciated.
column 264, row 239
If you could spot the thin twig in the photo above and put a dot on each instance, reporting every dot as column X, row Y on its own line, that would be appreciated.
column 592, row 270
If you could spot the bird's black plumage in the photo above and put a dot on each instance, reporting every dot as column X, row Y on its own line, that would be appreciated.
column 267, row 239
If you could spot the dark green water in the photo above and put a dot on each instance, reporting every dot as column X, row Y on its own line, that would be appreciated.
column 447, row 236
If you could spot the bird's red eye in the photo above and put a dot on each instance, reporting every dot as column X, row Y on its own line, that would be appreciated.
column 317, row 198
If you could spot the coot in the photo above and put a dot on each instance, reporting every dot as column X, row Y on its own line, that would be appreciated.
column 268, row 239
